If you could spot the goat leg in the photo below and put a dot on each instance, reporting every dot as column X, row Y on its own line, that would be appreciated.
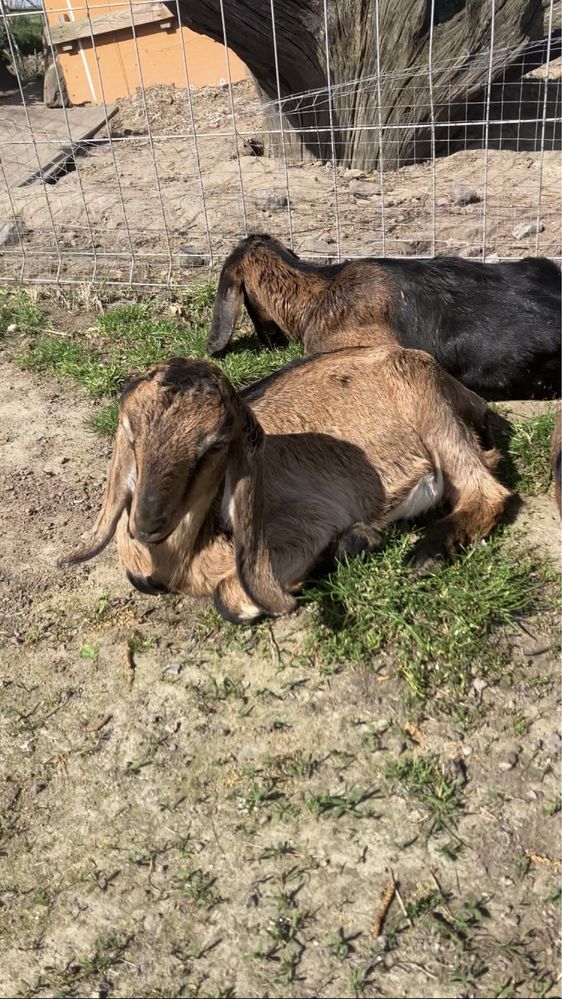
column 355, row 540
column 460, row 528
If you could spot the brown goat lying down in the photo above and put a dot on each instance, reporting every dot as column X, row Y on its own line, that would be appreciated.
column 239, row 494
column 495, row 327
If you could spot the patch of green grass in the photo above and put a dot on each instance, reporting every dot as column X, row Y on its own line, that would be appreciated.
column 131, row 337
column 260, row 792
column 89, row 652
column 104, row 420
column 440, row 629
column 338, row 945
column 74, row 360
column 526, row 465
column 336, row 805
column 198, row 886
column 425, row 780
column 18, row 309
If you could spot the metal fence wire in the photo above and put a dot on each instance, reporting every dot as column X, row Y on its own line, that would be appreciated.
column 142, row 190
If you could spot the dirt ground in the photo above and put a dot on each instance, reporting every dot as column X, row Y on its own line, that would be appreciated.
column 158, row 836
column 146, row 207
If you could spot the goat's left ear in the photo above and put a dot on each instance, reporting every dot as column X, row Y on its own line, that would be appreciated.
column 114, row 502
column 226, row 311
column 253, row 556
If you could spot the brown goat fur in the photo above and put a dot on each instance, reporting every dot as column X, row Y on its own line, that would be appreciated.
column 239, row 494
column 325, row 308
column 556, row 459
column 495, row 327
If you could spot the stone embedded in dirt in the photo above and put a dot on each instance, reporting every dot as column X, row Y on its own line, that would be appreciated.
column 363, row 189
column 191, row 257
column 527, row 229
column 8, row 234
column 269, row 200
column 442, row 203
column 554, row 743
column 175, row 670
column 54, row 466
column 353, row 174
column 510, row 761
column 473, row 251
column 462, row 194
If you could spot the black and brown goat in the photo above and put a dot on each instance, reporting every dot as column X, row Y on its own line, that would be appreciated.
column 495, row 327
column 240, row 494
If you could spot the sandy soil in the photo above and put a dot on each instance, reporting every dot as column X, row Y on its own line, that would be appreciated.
column 157, row 834
column 141, row 207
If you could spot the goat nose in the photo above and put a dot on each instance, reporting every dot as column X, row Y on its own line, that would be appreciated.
column 146, row 527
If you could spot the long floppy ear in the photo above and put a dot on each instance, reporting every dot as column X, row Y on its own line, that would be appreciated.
column 114, row 502
column 253, row 561
column 226, row 310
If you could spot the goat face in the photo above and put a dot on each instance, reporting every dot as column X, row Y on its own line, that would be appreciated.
column 171, row 449
column 179, row 422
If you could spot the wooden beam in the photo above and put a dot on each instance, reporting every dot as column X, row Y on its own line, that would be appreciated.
column 145, row 13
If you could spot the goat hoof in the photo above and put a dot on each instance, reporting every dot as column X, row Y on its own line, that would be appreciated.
column 428, row 557
column 146, row 584
column 233, row 606
column 356, row 540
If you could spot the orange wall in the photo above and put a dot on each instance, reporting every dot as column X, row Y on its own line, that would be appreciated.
column 160, row 54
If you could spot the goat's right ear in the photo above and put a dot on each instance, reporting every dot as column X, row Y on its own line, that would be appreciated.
column 114, row 502
column 225, row 313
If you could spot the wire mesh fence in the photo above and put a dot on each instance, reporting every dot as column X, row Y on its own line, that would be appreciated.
column 144, row 187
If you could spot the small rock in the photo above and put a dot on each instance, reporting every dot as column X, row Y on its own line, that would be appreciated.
column 9, row 234
column 252, row 901
column 462, row 194
column 173, row 668
column 11, row 328
column 478, row 685
column 269, row 200
column 554, row 743
column 190, row 257
column 54, row 466
column 363, row 188
column 527, row 229
column 442, row 203
column 353, row 174
column 473, row 251
column 510, row 762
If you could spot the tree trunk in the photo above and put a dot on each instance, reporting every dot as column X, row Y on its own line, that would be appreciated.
column 460, row 61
